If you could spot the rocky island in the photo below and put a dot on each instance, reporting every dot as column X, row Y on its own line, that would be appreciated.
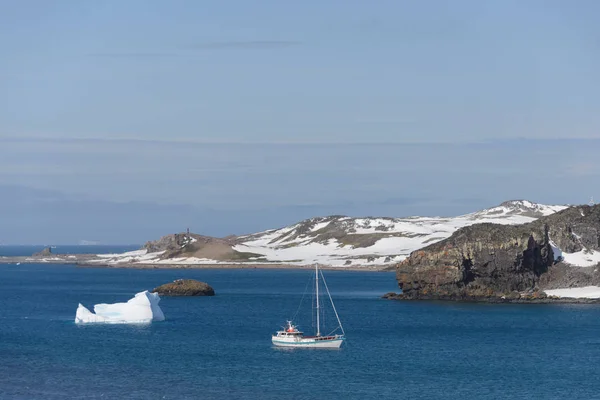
column 507, row 263
column 185, row 287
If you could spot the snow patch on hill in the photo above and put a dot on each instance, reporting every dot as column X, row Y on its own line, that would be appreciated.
column 583, row 258
column 589, row 292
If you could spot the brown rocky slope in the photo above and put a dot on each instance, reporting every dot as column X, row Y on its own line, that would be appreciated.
column 193, row 245
column 487, row 261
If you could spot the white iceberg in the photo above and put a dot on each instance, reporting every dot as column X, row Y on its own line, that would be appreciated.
column 143, row 308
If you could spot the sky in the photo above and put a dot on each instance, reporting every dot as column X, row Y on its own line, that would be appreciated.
column 124, row 121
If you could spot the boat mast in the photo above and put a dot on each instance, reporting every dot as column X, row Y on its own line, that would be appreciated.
column 317, row 290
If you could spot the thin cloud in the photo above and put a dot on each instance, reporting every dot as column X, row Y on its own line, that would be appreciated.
column 222, row 45
column 245, row 45
column 208, row 141
column 133, row 55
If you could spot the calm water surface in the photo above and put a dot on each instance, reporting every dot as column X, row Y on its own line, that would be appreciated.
column 219, row 347
column 17, row 251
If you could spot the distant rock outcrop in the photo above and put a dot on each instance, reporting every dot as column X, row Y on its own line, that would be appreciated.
column 185, row 287
column 172, row 242
column 44, row 253
column 185, row 245
column 490, row 260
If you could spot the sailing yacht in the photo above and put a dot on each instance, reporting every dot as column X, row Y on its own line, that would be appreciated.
column 290, row 336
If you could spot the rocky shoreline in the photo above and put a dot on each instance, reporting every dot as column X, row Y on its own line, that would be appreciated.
column 494, row 299
column 497, row 263
column 91, row 261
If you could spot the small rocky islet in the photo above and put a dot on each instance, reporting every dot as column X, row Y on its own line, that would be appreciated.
column 185, row 287
column 47, row 251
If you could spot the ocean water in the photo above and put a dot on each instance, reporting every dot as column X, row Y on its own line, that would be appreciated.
column 219, row 347
column 27, row 250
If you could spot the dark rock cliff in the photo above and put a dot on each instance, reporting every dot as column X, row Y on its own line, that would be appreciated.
column 491, row 260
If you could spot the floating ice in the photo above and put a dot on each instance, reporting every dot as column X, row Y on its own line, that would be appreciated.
column 141, row 309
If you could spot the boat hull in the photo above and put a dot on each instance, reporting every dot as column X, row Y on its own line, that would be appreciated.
column 308, row 343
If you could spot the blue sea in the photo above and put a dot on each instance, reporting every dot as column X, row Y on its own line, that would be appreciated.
column 17, row 251
column 220, row 347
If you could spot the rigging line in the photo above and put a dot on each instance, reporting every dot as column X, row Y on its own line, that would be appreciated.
column 331, row 333
column 313, row 318
column 332, row 305
column 302, row 299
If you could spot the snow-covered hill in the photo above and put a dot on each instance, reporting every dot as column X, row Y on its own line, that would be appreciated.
column 340, row 240
column 333, row 240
